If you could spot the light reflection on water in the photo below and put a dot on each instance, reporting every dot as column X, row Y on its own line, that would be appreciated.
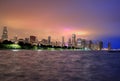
column 15, row 50
column 26, row 65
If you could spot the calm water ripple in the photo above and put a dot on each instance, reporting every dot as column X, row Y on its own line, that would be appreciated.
column 26, row 65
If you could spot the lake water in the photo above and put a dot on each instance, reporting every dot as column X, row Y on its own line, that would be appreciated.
column 28, row 65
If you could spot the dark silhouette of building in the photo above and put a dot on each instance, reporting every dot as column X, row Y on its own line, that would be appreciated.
column 73, row 40
column 83, row 43
column 100, row 45
column 5, row 34
column 63, row 41
column 32, row 39
column 109, row 46
column 69, row 43
column 49, row 40
column 90, row 44
column 79, row 43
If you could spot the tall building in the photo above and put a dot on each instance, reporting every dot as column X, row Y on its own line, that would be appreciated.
column 100, row 45
column 95, row 46
column 63, row 41
column 109, row 46
column 73, row 40
column 5, row 34
column 79, row 43
column 83, row 43
column 69, row 42
column 90, row 45
column 49, row 40
column 32, row 39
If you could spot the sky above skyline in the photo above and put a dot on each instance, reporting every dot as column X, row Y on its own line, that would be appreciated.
column 89, row 19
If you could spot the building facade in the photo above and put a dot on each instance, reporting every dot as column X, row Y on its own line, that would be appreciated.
column 49, row 40
column 5, row 34
column 63, row 41
column 73, row 40
column 79, row 43
column 32, row 39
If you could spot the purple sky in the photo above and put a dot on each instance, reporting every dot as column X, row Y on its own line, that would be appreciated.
column 91, row 19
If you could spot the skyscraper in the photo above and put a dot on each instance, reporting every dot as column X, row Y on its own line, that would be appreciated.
column 73, row 40
column 100, row 45
column 90, row 44
column 5, row 34
column 63, row 41
column 69, row 43
column 109, row 46
column 49, row 40
column 79, row 43
column 83, row 43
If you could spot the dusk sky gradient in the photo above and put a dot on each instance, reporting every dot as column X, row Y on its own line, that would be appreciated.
column 89, row 19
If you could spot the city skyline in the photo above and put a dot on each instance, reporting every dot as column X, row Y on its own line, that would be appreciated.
column 89, row 19
column 5, row 36
column 72, row 42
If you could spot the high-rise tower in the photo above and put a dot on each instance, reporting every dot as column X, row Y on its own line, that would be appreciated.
column 109, row 46
column 49, row 40
column 63, row 41
column 5, row 34
column 79, row 43
column 69, row 43
column 73, row 40
column 100, row 45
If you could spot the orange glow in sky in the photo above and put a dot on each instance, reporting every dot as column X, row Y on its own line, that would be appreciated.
column 57, row 18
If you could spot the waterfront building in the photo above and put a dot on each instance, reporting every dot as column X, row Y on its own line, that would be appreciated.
column 95, row 46
column 73, row 40
column 90, row 45
column 109, row 46
column 79, row 43
column 100, row 45
column 69, row 43
column 63, row 41
column 5, row 34
column 49, row 40
column 83, row 44
column 32, row 39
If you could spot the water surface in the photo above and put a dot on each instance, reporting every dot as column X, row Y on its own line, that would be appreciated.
column 28, row 65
